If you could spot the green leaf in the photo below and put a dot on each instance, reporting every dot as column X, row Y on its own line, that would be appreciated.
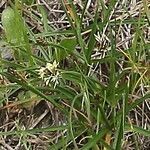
column 137, row 129
column 36, row 130
column 8, row 22
column 44, row 17
column 92, row 41
column 67, row 91
column 16, row 33
column 95, row 138
column 119, row 134
column 72, row 76
column 69, row 45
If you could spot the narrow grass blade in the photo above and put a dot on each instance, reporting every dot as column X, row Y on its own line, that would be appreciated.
column 134, row 128
column 91, row 43
column 32, row 131
column 95, row 138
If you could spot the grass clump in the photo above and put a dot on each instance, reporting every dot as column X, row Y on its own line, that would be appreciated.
column 78, row 77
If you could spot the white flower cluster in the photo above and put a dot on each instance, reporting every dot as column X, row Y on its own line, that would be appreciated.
column 50, row 73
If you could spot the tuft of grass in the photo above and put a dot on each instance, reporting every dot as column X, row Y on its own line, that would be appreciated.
column 75, row 80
